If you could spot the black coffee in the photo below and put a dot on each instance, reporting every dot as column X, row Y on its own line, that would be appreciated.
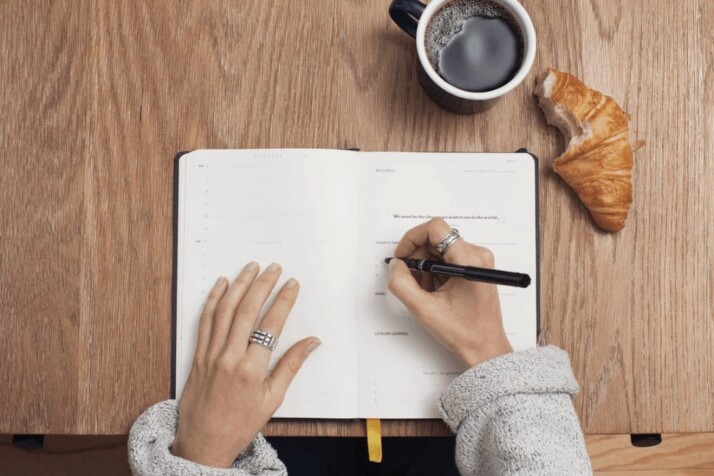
column 475, row 45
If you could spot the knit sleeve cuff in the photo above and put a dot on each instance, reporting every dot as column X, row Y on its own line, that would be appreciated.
column 544, row 370
column 153, row 433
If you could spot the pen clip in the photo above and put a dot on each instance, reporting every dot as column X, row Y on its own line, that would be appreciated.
column 445, row 270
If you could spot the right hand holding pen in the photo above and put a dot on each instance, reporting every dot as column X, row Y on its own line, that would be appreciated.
column 465, row 316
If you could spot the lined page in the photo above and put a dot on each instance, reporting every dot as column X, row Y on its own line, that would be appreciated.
column 296, row 207
column 490, row 199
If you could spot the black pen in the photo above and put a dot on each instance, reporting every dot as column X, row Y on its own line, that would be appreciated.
column 471, row 273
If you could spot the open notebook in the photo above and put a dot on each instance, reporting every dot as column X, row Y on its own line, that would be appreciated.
column 330, row 217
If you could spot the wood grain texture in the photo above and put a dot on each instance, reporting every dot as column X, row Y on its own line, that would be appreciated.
column 67, row 456
column 611, row 455
column 46, row 112
column 679, row 451
column 97, row 98
column 286, row 427
column 661, row 472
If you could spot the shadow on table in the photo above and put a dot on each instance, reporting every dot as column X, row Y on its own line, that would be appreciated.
column 348, row 456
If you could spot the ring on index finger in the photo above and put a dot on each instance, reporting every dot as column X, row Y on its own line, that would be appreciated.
column 448, row 240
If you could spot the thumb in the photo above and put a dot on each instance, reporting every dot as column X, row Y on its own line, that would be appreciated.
column 289, row 365
column 405, row 287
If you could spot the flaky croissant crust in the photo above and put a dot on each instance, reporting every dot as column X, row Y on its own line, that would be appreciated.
column 598, row 161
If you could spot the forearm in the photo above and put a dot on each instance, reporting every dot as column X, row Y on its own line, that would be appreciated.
column 514, row 415
column 154, row 431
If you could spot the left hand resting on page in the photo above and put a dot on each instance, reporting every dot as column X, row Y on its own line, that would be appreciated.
column 229, row 395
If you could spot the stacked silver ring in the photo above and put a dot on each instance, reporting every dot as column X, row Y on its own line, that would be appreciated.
column 448, row 240
column 264, row 338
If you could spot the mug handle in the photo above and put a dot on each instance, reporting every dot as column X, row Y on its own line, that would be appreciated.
column 406, row 14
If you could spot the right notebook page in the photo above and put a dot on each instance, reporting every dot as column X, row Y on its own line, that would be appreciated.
column 491, row 200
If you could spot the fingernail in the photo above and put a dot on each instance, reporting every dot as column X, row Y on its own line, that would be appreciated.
column 392, row 264
column 274, row 267
column 291, row 283
column 252, row 266
column 314, row 344
column 220, row 281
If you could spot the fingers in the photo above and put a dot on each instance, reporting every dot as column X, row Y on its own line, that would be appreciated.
column 249, row 309
column 206, row 323
column 428, row 235
column 426, row 282
column 438, row 281
column 226, row 308
column 288, row 366
column 423, row 278
column 407, row 289
column 274, row 319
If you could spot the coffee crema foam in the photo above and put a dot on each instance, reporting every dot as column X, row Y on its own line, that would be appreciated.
column 449, row 19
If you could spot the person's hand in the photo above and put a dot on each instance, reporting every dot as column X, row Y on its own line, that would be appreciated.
column 465, row 316
column 229, row 395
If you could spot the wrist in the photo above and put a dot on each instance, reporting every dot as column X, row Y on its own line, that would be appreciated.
column 482, row 353
column 204, row 456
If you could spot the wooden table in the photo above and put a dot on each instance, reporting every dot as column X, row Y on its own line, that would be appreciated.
column 97, row 97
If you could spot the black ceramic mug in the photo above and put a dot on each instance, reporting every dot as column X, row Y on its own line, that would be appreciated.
column 413, row 17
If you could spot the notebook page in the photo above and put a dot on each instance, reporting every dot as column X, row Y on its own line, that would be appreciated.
column 490, row 199
column 295, row 207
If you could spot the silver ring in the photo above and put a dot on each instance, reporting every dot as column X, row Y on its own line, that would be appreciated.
column 264, row 338
column 448, row 240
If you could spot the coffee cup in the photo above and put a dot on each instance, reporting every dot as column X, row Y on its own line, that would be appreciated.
column 469, row 52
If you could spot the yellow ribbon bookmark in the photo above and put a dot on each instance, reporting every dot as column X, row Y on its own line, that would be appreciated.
column 374, row 440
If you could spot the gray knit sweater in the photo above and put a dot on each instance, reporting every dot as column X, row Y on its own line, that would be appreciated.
column 512, row 415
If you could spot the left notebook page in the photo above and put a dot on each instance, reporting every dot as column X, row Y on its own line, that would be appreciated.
column 294, row 207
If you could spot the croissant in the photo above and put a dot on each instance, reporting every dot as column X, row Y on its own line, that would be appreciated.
column 597, row 163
